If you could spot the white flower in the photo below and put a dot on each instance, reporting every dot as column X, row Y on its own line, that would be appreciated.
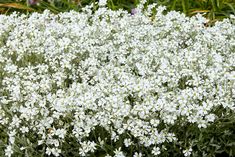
column 128, row 142
column 10, row 68
column 92, row 146
column 154, row 122
column 12, row 136
column 55, row 142
column 22, row 148
column 60, row 133
column 101, row 141
column 137, row 154
column 82, row 152
column 210, row 117
column 56, row 151
column 40, row 142
column 118, row 153
column 187, row 152
column 16, row 121
column 48, row 151
column 87, row 146
column 202, row 124
column 102, row 2
column 114, row 136
column 24, row 129
column 8, row 151
column 156, row 151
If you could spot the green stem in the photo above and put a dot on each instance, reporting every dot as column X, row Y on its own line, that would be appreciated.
column 173, row 5
column 184, row 5
column 214, row 6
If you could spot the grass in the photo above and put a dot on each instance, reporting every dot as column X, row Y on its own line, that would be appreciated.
column 212, row 9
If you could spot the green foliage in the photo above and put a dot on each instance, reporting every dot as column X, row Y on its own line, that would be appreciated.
column 212, row 9
column 216, row 140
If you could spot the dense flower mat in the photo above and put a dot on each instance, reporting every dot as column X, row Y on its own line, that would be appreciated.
column 112, row 83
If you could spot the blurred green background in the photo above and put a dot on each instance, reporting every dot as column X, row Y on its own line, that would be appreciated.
column 212, row 9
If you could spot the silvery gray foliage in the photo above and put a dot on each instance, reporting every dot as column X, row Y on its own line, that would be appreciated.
column 123, row 72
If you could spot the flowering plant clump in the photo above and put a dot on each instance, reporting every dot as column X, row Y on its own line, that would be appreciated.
column 111, row 83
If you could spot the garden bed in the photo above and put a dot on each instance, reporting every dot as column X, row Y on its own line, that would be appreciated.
column 113, row 83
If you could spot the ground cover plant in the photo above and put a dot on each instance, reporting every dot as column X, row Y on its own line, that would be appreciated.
column 212, row 9
column 111, row 83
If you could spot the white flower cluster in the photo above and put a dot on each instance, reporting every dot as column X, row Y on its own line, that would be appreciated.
column 65, row 75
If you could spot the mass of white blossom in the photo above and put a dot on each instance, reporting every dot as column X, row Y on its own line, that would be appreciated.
column 65, row 75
